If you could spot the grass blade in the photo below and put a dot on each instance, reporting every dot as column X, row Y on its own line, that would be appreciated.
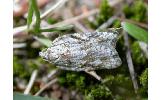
column 37, row 14
column 30, row 14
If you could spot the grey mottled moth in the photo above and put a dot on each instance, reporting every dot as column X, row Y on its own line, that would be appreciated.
column 84, row 51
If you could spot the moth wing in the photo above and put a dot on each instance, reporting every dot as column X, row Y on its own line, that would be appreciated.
column 113, row 61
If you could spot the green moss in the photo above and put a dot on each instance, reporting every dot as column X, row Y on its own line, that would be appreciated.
column 116, row 24
column 105, row 13
column 120, row 86
column 137, row 11
column 137, row 54
column 144, row 82
column 85, row 84
column 98, row 92
column 117, row 80
column 73, row 80
column 19, row 69
column 23, row 68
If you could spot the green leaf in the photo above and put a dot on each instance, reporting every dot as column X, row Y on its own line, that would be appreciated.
column 44, row 41
column 135, row 31
column 30, row 14
column 19, row 96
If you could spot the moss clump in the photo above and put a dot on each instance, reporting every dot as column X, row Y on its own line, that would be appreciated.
column 23, row 68
column 137, row 54
column 80, row 81
column 72, row 79
column 116, row 81
column 120, row 85
column 137, row 11
column 144, row 82
column 98, row 92
column 119, row 78
column 116, row 24
column 18, row 68
column 104, row 14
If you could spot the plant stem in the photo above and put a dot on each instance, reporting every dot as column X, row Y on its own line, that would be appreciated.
column 130, row 62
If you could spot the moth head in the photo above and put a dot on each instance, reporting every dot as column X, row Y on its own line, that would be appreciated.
column 49, row 55
column 55, row 53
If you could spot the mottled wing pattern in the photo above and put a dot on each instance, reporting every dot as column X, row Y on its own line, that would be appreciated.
column 84, row 51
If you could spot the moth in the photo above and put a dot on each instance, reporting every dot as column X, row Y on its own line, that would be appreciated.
column 84, row 51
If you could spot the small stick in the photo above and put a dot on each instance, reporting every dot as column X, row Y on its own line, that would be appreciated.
column 130, row 62
column 80, row 27
column 74, row 19
column 93, row 73
column 46, row 86
column 107, row 23
column 31, row 82
column 53, row 74
column 19, row 45
column 52, row 8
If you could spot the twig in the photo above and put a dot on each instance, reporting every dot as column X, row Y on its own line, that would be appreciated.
column 23, row 28
column 53, row 74
column 19, row 45
column 130, row 62
column 80, row 27
column 52, row 8
column 74, row 19
column 107, row 23
column 46, row 86
column 32, row 79
column 93, row 73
